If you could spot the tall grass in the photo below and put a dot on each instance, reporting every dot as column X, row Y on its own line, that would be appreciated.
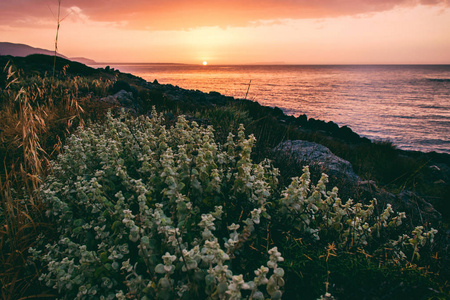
column 36, row 115
column 22, row 223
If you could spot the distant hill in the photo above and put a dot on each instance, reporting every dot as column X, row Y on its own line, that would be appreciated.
column 83, row 60
column 22, row 50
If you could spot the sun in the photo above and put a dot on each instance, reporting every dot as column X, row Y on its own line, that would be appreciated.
column 205, row 63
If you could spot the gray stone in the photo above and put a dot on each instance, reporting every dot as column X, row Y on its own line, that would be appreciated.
column 316, row 154
column 122, row 98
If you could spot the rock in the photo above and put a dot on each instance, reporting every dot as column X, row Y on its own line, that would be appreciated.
column 418, row 207
column 316, row 154
column 120, row 85
column 201, row 122
column 110, row 100
column 123, row 99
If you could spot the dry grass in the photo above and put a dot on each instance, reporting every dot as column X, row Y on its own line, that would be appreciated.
column 22, row 223
column 35, row 117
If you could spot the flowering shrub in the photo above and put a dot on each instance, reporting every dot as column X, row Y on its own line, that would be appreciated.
column 316, row 212
column 144, row 211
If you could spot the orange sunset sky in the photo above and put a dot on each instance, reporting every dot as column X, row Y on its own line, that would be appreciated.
column 236, row 32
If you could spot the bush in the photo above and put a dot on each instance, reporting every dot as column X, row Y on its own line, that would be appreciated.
column 129, row 199
column 144, row 211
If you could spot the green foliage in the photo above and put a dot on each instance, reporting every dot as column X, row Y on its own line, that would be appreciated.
column 225, row 119
column 313, row 210
column 351, row 275
column 35, row 117
column 146, row 211
column 324, row 212
column 328, row 240
column 136, row 205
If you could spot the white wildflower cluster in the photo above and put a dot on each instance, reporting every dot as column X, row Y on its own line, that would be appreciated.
column 420, row 237
column 317, row 212
column 129, row 199
column 149, row 212
column 276, row 280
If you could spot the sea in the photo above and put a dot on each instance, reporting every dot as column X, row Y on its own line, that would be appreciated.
column 408, row 105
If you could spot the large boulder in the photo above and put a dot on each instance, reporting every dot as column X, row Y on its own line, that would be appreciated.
column 315, row 154
column 124, row 100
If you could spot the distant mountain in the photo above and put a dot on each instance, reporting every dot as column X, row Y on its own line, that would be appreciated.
column 84, row 60
column 23, row 50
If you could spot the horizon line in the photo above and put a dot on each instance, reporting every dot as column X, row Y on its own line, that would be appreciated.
column 273, row 64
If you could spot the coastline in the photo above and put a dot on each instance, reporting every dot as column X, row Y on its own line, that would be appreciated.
column 413, row 184
column 179, row 95
column 341, row 140
column 433, row 168
column 395, row 103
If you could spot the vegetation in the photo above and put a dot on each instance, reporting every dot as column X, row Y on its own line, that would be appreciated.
column 35, row 118
column 164, row 207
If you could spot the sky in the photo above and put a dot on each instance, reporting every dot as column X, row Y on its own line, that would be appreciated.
column 235, row 32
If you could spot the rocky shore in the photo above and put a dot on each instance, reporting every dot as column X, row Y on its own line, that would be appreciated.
column 312, row 149
column 412, row 182
column 337, row 150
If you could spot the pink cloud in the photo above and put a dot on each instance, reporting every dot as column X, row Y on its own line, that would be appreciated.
column 184, row 14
